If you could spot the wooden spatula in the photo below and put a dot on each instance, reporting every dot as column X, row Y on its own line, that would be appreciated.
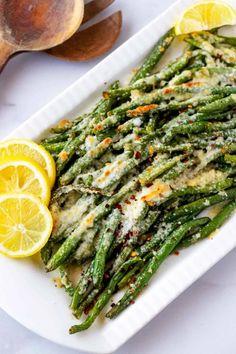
column 93, row 41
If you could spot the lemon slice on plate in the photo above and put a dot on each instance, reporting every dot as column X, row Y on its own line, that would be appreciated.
column 27, row 148
column 205, row 16
column 25, row 225
column 23, row 175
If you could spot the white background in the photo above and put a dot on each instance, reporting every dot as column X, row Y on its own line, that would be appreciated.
column 203, row 319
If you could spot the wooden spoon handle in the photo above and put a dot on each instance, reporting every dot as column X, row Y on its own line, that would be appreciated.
column 6, row 50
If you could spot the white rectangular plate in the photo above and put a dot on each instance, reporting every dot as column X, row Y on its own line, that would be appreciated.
column 28, row 294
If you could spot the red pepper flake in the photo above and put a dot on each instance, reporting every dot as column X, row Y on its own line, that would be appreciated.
column 132, row 197
column 137, row 155
column 177, row 253
column 132, row 302
column 89, row 307
column 183, row 110
column 117, row 233
column 129, row 234
column 118, row 206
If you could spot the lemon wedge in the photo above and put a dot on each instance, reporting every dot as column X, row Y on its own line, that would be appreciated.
column 27, row 148
column 25, row 225
column 23, row 175
column 205, row 15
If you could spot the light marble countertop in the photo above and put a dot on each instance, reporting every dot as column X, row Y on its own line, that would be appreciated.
column 202, row 320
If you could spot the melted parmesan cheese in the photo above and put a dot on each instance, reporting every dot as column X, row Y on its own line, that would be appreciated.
column 131, row 213
column 206, row 177
column 136, row 94
column 110, row 172
column 137, row 122
column 158, row 191
column 70, row 216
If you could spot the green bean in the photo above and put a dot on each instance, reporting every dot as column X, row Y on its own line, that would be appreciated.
column 230, row 159
column 119, row 145
column 54, row 147
column 105, row 240
column 72, row 145
column 152, row 81
column 56, row 138
column 201, row 204
column 156, row 170
column 86, row 303
column 122, row 257
column 144, row 225
column 164, row 230
column 66, row 281
column 85, row 161
column 198, row 127
column 176, row 171
column 104, row 297
column 97, row 214
column 185, row 76
column 151, row 267
column 131, row 173
column 46, row 252
column 208, row 189
column 129, row 125
column 129, row 276
column 196, row 40
column 219, row 105
column 158, row 95
column 82, row 288
column 155, row 55
column 87, row 247
column 212, row 226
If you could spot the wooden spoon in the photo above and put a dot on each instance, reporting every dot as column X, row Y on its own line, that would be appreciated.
column 30, row 25
column 91, row 42
column 93, row 8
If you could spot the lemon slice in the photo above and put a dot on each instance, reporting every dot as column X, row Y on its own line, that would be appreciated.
column 25, row 225
column 205, row 16
column 23, row 175
column 27, row 148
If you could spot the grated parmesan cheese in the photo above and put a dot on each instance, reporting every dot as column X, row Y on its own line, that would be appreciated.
column 110, row 171
column 90, row 142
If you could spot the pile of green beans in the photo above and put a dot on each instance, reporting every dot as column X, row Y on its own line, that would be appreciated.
column 135, row 173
